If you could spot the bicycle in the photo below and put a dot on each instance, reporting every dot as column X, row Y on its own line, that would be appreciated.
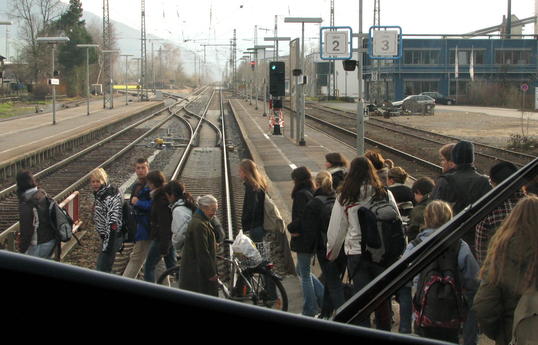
column 249, row 282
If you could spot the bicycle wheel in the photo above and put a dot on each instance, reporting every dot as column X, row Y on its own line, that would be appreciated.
column 170, row 277
column 268, row 291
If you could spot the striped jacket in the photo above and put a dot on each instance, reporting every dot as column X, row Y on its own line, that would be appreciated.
column 107, row 212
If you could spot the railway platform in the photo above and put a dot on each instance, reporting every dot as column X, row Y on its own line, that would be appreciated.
column 277, row 156
column 20, row 137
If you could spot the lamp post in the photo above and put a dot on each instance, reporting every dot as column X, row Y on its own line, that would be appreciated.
column 263, row 47
column 109, row 51
column 300, row 87
column 87, row 46
column 125, row 78
column 53, row 41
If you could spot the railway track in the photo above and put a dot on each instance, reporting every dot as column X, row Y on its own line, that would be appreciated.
column 414, row 149
column 73, row 172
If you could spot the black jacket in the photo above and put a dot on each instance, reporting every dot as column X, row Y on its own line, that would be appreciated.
column 30, row 199
column 402, row 193
column 461, row 188
column 312, row 226
column 161, row 221
column 253, row 203
column 300, row 199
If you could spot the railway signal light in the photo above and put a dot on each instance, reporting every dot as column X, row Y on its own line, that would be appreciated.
column 277, row 78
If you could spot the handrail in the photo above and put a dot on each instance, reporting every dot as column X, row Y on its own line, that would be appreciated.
column 397, row 275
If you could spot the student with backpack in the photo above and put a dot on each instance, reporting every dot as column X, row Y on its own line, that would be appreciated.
column 140, row 201
column 509, row 272
column 303, row 241
column 315, row 222
column 36, row 233
column 438, row 304
column 360, row 186
column 182, row 206
column 107, row 218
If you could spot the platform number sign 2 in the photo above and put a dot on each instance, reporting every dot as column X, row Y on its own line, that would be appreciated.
column 336, row 43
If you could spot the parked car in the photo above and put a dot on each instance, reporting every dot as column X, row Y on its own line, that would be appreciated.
column 439, row 98
column 420, row 99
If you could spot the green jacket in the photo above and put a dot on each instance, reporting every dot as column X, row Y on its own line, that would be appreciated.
column 198, row 260
column 416, row 218
column 495, row 304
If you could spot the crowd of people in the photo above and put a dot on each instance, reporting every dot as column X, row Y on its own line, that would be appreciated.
column 490, row 268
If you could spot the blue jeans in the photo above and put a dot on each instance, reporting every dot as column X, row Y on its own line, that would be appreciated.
column 42, row 250
column 153, row 258
column 312, row 287
column 470, row 326
column 406, row 309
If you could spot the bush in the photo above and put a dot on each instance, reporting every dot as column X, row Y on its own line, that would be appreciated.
column 40, row 91
column 521, row 142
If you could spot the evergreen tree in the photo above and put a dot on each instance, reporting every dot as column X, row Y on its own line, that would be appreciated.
column 73, row 59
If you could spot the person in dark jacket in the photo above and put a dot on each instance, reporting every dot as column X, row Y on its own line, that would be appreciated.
column 509, row 270
column 303, row 241
column 447, row 165
column 461, row 188
column 161, row 231
column 36, row 234
column 253, row 203
column 107, row 218
column 337, row 166
column 421, row 189
column 315, row 223
column 199, row 261
column 140, row 200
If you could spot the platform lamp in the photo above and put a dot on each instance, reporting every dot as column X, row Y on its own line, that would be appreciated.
column 87, row 46
column 52, row 81
column 300, row 88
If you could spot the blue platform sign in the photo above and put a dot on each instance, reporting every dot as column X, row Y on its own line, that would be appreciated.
column 385, row 43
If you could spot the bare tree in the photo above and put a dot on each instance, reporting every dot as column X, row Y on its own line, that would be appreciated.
column 35, row 17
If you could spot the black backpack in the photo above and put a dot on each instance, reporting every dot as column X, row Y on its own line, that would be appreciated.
column 439, row 301
column 60, row 222
column 325, row 216
column 128, row 226
column 383, row 239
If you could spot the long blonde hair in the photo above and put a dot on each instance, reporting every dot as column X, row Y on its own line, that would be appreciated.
column 252, row 176
column 324, row 181
column 523, row 223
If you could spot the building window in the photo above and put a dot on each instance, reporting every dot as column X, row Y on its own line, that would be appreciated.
column 464, row 56
column 414, row 87
column 512, row 57
column 421, row 57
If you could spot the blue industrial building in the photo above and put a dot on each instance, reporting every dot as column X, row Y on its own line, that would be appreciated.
column 429, row 65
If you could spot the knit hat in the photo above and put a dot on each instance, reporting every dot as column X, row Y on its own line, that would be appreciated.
column 463, row 152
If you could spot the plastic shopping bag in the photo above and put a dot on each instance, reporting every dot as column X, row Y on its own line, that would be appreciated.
column 244, row 246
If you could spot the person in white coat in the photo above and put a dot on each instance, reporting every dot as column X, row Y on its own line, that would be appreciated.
column 182, row 206
column 360, row 185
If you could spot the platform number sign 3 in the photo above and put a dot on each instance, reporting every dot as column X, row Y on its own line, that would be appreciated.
column 385, row 43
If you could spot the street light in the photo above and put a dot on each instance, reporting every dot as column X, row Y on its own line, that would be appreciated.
column 53, row 41
column 87, row 46
column 300, row 87
column 125, row 79
column 109, row 51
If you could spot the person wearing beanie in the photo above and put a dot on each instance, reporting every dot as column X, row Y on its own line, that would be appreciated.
column 461, row 188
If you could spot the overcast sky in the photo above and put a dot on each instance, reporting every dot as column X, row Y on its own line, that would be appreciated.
column 213, row 21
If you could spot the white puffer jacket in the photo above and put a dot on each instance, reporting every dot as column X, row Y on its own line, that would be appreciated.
column 181, row 217
column 344, row 227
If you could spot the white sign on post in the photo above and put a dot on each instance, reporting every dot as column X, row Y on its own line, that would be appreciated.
column 54, row 81
column 336, row 43
column 385, row 43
